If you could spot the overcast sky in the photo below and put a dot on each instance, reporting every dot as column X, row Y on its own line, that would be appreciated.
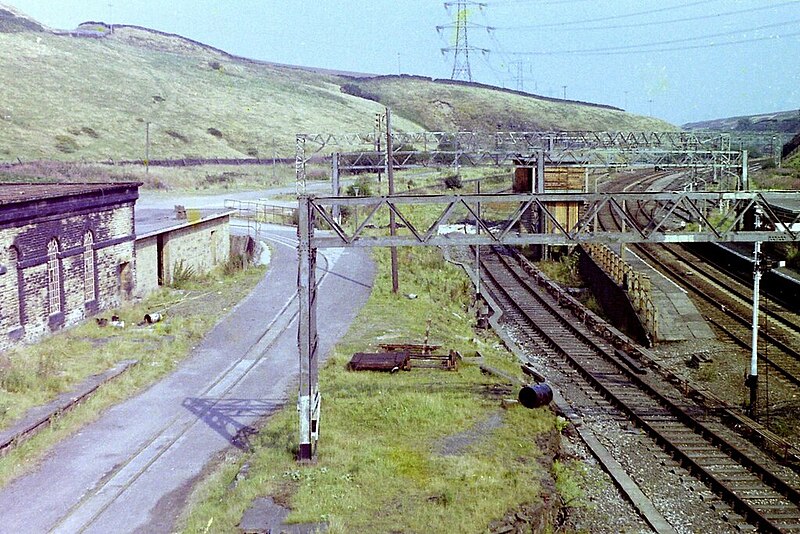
column 681, row 60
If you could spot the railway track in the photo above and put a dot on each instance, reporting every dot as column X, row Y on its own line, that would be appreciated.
column 728, row 309
column 724, row 300
column 753, row 484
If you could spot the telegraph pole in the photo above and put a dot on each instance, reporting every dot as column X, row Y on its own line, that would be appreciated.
column 390, row 178
column 378, row 131
column 147, row 148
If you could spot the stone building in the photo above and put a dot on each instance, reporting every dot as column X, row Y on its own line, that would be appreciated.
column 66, row 252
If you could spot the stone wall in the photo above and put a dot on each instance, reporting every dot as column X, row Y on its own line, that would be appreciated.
column 199, row 246
column 146, row 265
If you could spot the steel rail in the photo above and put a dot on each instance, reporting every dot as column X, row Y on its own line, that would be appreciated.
column 644, row 399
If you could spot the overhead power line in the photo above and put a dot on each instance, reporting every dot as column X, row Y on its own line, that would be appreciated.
column 539, row 3
column 649, row 47
column 659, row 22
column 699, row 46
column 615, row 17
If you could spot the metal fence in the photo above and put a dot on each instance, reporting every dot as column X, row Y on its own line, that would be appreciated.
column 262, row 212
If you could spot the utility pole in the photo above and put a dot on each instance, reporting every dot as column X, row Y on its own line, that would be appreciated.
column 520, row 78
column 461, row 47
column 752, row 379
column 625, row 107
column 147, row 148
column 378, row 132
column 650, row 101
column 565, row 91
column 390, row 178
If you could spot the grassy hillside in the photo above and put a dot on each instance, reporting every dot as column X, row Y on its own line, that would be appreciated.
column 78, row 98
column 445, row 106
column 780, row 121
column 13, row 21
column 86, row 99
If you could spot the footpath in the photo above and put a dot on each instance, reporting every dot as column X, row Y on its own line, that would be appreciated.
column 133, row 468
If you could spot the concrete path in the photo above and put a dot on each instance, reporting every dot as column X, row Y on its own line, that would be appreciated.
column 154, row 200
column 132, row 469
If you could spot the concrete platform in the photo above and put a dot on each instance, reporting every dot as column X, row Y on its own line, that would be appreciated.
column 678, row 318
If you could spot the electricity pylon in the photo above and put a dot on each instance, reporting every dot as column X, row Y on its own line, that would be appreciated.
column 461, row 47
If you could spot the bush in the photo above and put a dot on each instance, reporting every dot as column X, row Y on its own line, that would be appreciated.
column 362, row 185
column 177, row 135
column 66, row 144
column 453, row 182
column 90, row 132
column 234, row 264
column 354, row 90
column 216, row 133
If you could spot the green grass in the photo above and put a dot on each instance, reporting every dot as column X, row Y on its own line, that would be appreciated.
column 439, row 106
column 382, row 463
column 35, row 374
column 54, row 86
column 76, row 99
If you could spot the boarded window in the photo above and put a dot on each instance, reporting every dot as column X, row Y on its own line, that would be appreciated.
column 88, row 268
column 53, row 278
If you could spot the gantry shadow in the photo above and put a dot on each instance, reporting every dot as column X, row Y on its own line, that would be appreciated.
column 226, row 416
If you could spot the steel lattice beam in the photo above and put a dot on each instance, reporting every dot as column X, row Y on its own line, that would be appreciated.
column 577, row 148
column 669, row 214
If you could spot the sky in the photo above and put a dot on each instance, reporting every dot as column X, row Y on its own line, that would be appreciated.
column 679, row 60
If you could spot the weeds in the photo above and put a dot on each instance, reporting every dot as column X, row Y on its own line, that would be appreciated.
column 570, row 480
column 182, row 275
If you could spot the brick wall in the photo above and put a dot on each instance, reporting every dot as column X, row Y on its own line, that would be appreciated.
column 25, row 311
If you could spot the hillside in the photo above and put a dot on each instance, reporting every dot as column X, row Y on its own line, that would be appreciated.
column 13, row 21
column 88, row 95
column 781, row 121
column 443, row 105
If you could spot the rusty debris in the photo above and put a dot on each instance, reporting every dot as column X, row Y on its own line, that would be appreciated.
column 380, row 361
column 404, row 356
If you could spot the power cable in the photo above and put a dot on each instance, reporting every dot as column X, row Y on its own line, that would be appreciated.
column 647, row 47
column 658, row 22
column 617, row 17
column 695, row 47
column 538, row 2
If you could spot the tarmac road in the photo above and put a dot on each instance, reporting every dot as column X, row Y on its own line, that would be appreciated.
column 132, row 469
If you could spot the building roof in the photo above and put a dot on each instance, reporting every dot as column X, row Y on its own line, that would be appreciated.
column 150, row 222
column 15, row 193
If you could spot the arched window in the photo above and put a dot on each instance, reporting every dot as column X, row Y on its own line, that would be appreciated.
column 53, row 278
column 88, row 267
column 13, row 287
